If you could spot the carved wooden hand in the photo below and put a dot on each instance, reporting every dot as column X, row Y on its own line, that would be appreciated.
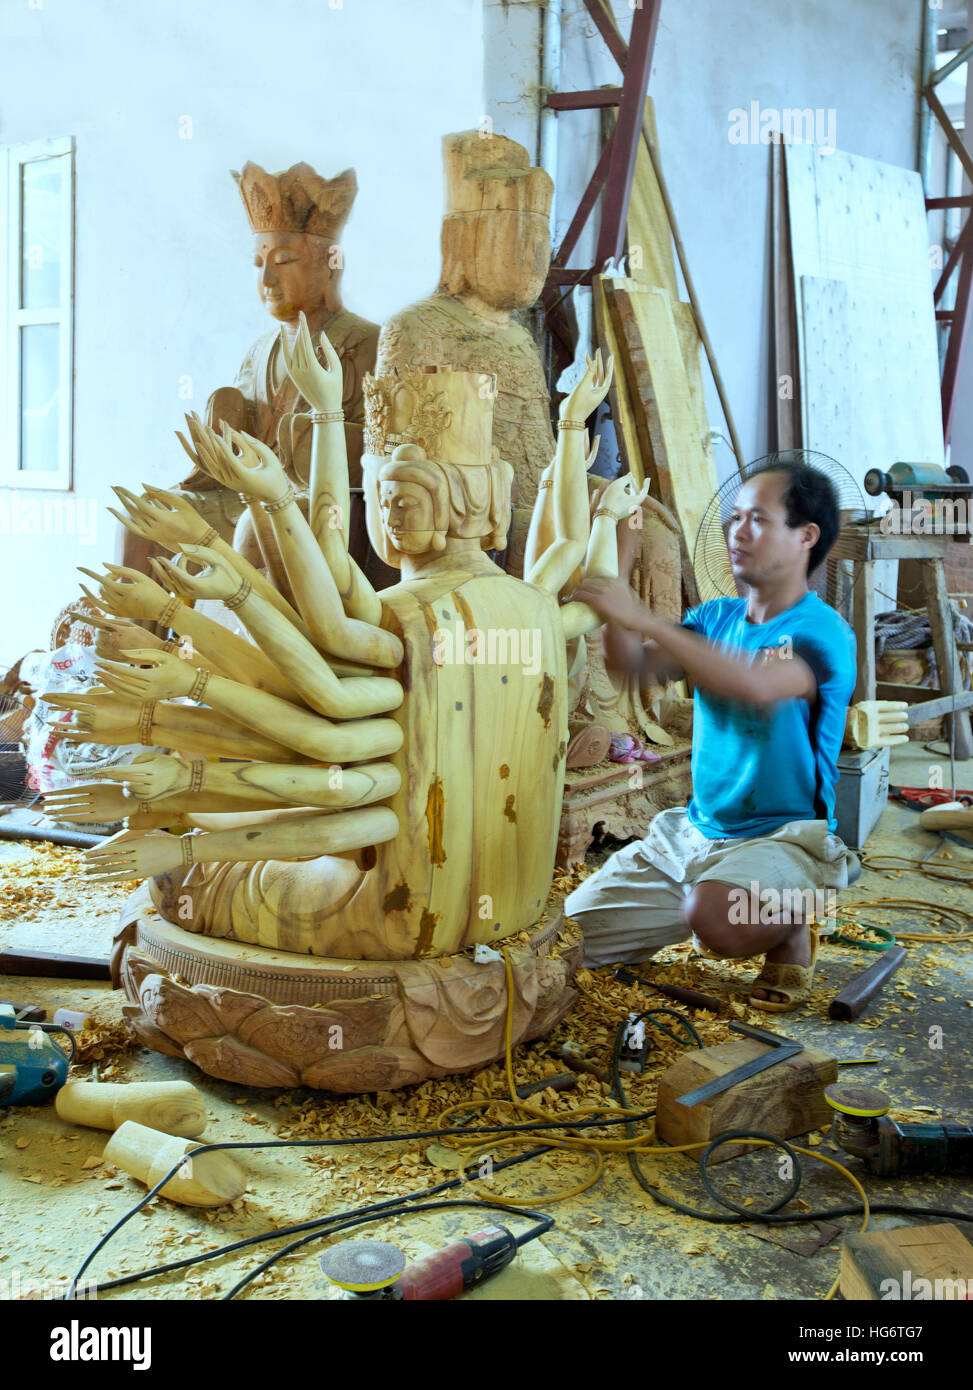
column 321, row 386
column 166, row 677
column 152, row 775
column 164, row 517
column 133, row 855
column 590, row 391
column 87, row 802
column 128, row 593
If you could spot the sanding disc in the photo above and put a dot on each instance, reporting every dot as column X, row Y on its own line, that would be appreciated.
column 362, row 1266
column 865, row 1101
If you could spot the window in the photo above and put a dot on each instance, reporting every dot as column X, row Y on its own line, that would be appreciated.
column 36, row 313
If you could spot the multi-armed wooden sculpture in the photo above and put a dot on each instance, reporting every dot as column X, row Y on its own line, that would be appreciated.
column 374, row 778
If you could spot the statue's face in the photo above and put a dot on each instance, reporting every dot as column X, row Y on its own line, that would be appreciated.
column 510, row 265
column 407, row 516
column 292, row 274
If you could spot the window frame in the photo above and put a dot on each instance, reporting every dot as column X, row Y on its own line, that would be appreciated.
column 13, row 318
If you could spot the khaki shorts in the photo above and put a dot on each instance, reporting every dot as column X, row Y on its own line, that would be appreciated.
column 632, row 906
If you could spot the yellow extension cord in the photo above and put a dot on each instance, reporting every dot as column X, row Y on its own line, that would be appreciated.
column 596, row 1147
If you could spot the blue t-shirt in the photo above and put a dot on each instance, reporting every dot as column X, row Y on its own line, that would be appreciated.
column 756, row 768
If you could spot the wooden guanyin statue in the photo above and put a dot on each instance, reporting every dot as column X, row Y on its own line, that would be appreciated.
column 371, row 785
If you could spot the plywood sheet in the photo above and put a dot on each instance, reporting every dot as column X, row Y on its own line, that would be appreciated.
column 861, row 224
column 691, row 347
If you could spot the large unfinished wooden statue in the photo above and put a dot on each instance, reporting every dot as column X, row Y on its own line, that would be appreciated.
column 496, row 250
column 495, row 258
column 393, row 764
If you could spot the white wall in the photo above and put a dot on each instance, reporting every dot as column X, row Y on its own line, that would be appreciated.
column 164, row 283
column 858, row 58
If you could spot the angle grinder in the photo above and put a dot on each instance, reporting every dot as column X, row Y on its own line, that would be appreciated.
column 889, row 1149
column 373, row 1269
column 33, row 1068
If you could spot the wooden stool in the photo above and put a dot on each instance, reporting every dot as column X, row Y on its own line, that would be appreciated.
column 864, row 550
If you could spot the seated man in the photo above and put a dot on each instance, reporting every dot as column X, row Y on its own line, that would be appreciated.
column 773, row 675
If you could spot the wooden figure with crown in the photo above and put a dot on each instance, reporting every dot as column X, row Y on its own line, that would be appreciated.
column 296, row 218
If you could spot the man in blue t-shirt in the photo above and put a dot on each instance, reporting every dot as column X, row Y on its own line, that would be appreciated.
column 754, row 856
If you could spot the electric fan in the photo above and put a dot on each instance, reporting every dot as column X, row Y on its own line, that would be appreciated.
column 711, row 560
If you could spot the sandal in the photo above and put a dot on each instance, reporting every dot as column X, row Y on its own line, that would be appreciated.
column 792, row 981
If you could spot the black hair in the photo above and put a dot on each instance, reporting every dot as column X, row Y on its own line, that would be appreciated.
column 809, row 496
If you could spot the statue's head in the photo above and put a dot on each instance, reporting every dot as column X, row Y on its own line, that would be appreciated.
column 297, row 218
column 496, row 237
column 429, row 468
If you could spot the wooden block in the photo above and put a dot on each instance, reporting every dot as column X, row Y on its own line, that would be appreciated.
column 786, row 1099
column 648, row 225
column 912, row 1262
column 660, row 388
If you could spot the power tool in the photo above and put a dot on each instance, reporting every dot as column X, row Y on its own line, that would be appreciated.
column 32, row 1066
column 634, row 1050
column 919, row 482
column 374, row 1269
column 889, row 1149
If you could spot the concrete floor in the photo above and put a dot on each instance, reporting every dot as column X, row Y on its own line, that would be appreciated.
column 611, row 1242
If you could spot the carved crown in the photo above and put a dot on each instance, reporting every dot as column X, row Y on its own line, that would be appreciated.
column 296, row 200
column 450, row 414
column 485, row 173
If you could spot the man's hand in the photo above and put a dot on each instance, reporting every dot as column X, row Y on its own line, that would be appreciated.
column 612, row 599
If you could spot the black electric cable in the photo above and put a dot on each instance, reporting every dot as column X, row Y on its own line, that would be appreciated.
column 674, row 1013
column 767, row 1215
column 536, row 1127
column 53, row 1028
column 544, row 1223
column 280, row 1232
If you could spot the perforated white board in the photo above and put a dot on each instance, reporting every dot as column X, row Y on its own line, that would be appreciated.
column 866, row 326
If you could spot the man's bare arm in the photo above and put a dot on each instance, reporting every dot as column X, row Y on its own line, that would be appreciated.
column 627, row 654
column 702, row 661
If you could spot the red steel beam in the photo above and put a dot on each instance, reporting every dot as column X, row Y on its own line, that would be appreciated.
column 628, row 133
column 957, row 340
column 606, row 28
column 595, row 184
column 962, row 242
column 584, row 101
